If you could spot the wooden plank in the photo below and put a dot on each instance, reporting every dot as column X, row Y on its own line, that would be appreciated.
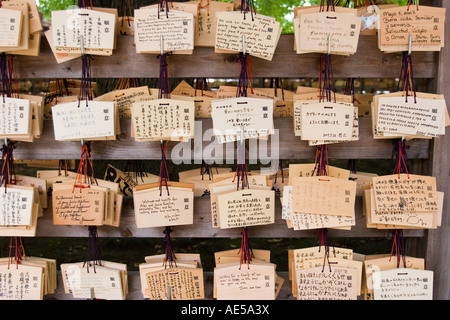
column 134, row 287
column 368, row 62
column 202, row 227
column 438, row 241
column 289, row 146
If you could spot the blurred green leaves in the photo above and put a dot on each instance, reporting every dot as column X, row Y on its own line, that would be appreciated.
column 282, row 10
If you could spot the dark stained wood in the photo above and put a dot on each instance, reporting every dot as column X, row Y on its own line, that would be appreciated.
column 290, row 146
column 368, row 62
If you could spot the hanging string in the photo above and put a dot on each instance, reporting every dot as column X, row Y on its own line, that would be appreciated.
column 247, row 6
column 137, row 169
column 412, row 2
column 245, row 78
column 241, row 170
column 164, row 87
column 163, row 171
column 398, row 246
column 163, row 6
column 207, row 169
column 280, row 165
column 93, row 255
column 63, row 164
column 85, row 173
column 82, row 4
column 200, row 84
column 246, row 249
column 323, row 242
column 400, row 157
column 277, row 83
column 86, row 91
column 321, row 161
column 13, row 81
column 17, row 251
column 406, row 83
column 356, row 3
column 351, row 165
column 327, row 91
column 200, row 7
column 329, row 4
column 349, row 89
column 126, row 5
column 8, row 165
column 6, row 88
column 169, row 256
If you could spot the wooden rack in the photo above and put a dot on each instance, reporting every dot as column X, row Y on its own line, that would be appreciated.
column 428, row 156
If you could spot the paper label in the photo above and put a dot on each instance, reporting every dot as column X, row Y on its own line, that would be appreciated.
column 16, row 206
column 163, row 119
column 248, row 207
column 425, row 25
column 327, row 121
column 315, row 29
column 78, row 208
column 184, row 284
column 261, row 33
column 335, row 284
column 83, row 120
column 10, row 27
column 242, row 117
column 176, row 28
column 90, row 28
column 15, row 117
column 21, row 283
column 425, row 117
column 403, row 284
column 104, row 282
column 405, row 193
column 256, row 282
column 323, row 195
column 161, row 208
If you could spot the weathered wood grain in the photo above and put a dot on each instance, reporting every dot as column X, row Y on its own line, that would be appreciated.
column 368, row 62
column 289, row 146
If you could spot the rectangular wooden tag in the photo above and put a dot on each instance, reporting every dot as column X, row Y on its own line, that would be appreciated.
column 78, row 208
column 92, row 29
column 173, row 207
column 176, row 27
column 323, row 195
column 84, row 120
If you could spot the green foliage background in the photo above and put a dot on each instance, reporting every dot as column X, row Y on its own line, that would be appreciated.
column 282, row 10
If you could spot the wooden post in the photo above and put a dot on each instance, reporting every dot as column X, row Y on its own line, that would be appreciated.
column 438, row 242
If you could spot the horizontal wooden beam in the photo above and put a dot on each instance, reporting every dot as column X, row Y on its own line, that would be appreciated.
column 135, row 293
column 289, row 146
column 202, row 226
column 368, row 62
